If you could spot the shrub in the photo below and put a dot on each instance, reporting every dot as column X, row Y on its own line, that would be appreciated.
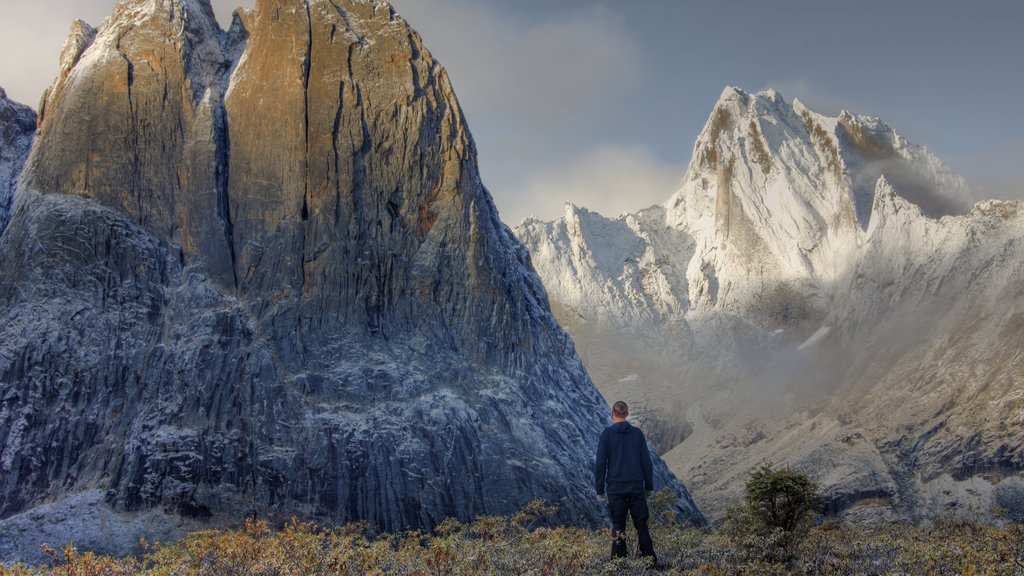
column 782, row 498
column 776, row 515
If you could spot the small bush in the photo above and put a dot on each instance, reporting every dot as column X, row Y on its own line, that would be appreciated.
column 778, row 512
column 782, row 498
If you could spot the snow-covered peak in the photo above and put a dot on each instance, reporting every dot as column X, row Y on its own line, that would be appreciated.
column 776, row 194
column 779, row 187
column 762, row 132
column 803, row 258
column 887, row 206
column 731, row 94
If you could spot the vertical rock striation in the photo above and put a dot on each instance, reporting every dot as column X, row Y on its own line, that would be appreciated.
column 257, row 272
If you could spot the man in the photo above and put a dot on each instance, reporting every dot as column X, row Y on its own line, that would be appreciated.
column 624, row 471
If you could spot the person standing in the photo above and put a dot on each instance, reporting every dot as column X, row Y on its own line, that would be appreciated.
column 624, row 478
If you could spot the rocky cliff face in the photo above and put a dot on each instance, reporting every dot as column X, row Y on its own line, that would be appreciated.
column 257, row 272
column 819, row 293
column 17, row 129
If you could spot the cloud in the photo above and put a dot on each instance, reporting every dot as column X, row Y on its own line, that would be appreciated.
column 538, row 88
column 553, row 67
column 608, row 179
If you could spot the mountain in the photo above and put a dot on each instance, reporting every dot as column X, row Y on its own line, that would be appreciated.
column 821, row 293
column 255, row 272
column 17, row 129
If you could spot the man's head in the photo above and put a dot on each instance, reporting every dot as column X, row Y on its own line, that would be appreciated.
column 620, row 411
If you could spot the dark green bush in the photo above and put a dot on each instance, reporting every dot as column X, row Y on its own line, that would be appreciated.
column 782, row 498
column 776, row 515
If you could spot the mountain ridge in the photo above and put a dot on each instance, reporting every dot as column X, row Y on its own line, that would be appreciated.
column 806, row 271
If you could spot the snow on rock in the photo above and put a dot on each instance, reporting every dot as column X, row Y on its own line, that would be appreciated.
column 17, row 129
column 85, row 519
column 815, row 338
column 810, row 273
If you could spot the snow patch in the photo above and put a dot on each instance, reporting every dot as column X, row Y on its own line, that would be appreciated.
column 815, row 338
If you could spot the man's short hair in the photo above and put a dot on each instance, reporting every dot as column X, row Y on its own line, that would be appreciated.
column 620, row 410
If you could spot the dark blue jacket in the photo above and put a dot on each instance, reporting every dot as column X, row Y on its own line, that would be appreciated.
column 623, row 461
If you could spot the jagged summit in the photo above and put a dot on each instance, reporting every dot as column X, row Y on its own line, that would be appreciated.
column 256, row 272
column 797, row 187
column 818, row 292
column 839, row 159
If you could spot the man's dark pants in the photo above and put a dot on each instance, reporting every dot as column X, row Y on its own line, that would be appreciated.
column 636, row 505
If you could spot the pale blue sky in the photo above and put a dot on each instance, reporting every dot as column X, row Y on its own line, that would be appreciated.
column 599, row 102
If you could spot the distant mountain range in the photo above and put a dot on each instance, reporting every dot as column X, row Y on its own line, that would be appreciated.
column 255, row 272
column 821, row 293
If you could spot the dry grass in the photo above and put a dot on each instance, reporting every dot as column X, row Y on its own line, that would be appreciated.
column 522, row 545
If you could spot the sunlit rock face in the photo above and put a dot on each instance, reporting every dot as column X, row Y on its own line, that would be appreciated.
column 819, row 292
column 256, row 272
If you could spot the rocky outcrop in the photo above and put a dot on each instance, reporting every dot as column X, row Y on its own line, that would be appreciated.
column 819, row 293
column 256, row 272
column 17, row 129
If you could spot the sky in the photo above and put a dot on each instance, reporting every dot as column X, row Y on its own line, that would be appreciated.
column 599, row 102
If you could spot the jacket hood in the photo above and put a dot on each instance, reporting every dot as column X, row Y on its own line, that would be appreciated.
column 622, row 427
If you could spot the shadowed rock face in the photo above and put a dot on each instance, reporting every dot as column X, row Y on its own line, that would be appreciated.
column 17, row 128
column 257, row 271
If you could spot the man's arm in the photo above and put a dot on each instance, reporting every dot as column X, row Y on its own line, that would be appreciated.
column 646, row 465
column 601, row 464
